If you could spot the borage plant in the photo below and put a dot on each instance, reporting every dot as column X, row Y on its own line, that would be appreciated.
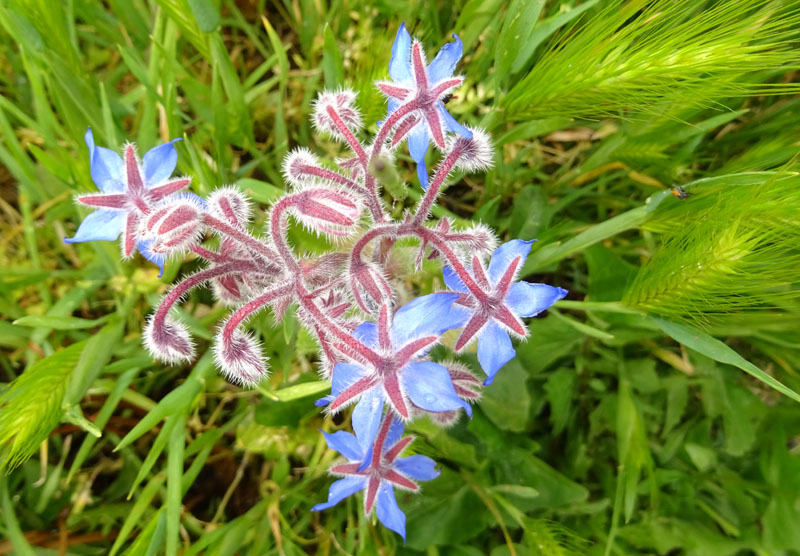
column 376, row 355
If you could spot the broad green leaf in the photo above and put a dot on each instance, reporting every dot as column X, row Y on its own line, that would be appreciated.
column 709, row 346
column 261, row 191
column 521, row 491
column 521, row 17
column 59, row 323
column 560, row 389
column 549, row 254
column 303, row 390
column 543, row 30
column 171, row 404
column 331, row 60
column 206, row 13
column 94, row 357
column 177, row 444
column 450, row 512
column 517, row 465
column 507, row 403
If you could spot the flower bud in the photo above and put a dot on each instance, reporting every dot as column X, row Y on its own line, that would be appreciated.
column 298, row 166
column 476, row 153
column 230, row 205
column 168, row 340
column 332, row 109
column 370, row 287
column 327, row 210
column 477, row 239
column 239, row 358
column 174, row 224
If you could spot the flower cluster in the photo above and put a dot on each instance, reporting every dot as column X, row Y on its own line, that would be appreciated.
column 376, row 355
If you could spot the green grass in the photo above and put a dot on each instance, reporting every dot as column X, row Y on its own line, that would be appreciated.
column 645, row 415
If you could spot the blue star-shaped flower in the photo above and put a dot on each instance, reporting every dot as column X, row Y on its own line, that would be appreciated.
column 378, row 472
column 494, row 313
column 129, row 190
column 395, row 375
column 422, row 89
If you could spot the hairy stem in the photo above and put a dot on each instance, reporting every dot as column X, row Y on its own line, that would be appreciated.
column 193, row 281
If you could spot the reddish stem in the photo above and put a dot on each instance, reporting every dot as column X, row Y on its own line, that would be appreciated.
column 330, row 175
column 349, row 137
column 242, row 237
column 208, row 254
column 254, row 305
column 426, row 234
column 193, row 281
column 276, row 227
column 436, row 184
column 306, row 300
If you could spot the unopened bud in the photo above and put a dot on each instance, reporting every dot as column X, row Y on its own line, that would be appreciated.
column 168, row 340
column 174, row 224
column 240, row 359
column 332, row 110
column 229, row 204
column 476, row 153
column 478, row 239
column 327, row 210
column 298, row 166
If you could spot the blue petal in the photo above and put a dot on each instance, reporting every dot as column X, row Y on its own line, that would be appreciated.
column 366, row 419
column 389, row 512
column 494, row 350
column 422, row 174
column 103, row 224
column 444, row 64
column 418, row 140
column 451, row 124
column 156, row 258
column 105, row 166
column 366, row 333
column 506, row 253
column 528, row 299
column 400, row 64
column 340, row 490
column 393, row 435
column 344, row 375
column 159, row 162
column 430, row 387
column 419, row 468
column 344, row 443
column 424, row 316
column 452, row 280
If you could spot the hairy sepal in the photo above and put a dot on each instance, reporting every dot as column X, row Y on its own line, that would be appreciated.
column 168, row 341
column 240, row 359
